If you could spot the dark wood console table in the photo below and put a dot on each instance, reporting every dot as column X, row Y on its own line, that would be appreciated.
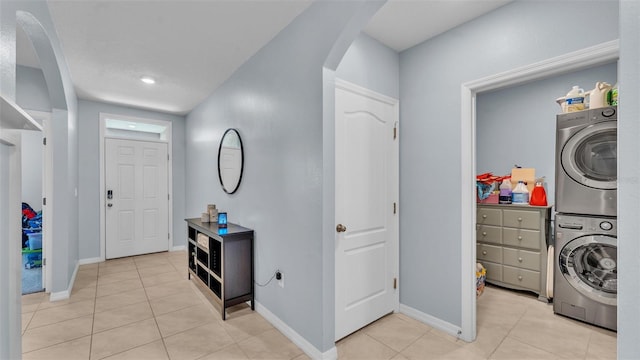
column 221, row 262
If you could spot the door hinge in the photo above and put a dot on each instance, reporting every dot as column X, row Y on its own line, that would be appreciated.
column 44, row 201
column 168, row 198
column 395, row 283
column 44, row 141
column 169, row 236
column 167, row 157
column 394, row 208
column 395, row 132
column 44, row 261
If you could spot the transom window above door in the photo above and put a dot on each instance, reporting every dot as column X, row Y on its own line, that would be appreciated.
column 133, row 128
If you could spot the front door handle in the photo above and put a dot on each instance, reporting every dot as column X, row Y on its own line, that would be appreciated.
column 109, row 204
column 341, row 228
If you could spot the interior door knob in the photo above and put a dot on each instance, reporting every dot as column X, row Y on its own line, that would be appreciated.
column 341, row 228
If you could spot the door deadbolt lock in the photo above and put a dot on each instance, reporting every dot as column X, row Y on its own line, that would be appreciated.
column 341, row 228
column 109, row 194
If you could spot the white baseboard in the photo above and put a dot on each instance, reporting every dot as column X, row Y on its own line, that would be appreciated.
column 296, row 338
column 178, row 248
column 63, row 295
column 89, row 261
column 434, row 322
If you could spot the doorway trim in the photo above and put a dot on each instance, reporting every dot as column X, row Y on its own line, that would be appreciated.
column 47, row 192
column 588, row 57
column 168, row 140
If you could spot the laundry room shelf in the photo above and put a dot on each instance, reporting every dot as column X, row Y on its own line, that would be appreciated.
column 511, row 243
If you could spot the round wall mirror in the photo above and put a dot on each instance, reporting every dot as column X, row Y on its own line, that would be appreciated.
column 230, row 161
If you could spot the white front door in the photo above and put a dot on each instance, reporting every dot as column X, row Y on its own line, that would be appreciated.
column 137, row 197
column 366, row 207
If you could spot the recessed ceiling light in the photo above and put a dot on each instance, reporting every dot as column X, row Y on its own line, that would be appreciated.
column 132, row 126
column 148, row 80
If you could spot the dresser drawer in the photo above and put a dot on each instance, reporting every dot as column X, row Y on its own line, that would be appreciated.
column 494, row 271
column 489, row 234
column 521, row 219
column 489, row 253
column 521, row 277
column 486, row 216
column 521, row 258
column 529, row 239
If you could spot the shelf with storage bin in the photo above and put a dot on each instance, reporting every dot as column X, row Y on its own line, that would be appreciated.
column 220, row 262
column 511, row 243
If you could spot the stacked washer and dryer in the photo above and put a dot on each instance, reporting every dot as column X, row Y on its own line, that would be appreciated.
column 585, row 270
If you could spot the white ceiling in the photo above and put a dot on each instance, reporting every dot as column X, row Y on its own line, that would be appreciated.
column 192, row 47
column 402, row 24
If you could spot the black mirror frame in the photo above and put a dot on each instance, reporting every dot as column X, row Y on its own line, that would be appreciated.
column 241, row 164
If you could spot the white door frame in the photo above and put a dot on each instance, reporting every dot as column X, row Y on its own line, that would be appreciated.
column 581, row 59
column 47, row 192
column 394, row 174
column 11, row 219
column 103, row 134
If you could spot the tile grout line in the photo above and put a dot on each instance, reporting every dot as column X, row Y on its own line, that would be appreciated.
column 155, row 319
column 93, row 319
column 62, row 342
column 507, row 335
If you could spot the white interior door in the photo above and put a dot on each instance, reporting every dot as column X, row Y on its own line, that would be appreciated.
column 137, row 197
column 366, row 207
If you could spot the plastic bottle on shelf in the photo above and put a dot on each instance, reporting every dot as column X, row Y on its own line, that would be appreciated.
column 505, row 192
column 520, row 195
column 538, row 194
column 614, row 95
column 575, row 99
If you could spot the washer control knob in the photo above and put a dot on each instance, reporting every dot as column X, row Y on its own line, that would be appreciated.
column 605, row 225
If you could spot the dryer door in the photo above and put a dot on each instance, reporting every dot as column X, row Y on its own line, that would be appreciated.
column 590, row 156
column 589, row 263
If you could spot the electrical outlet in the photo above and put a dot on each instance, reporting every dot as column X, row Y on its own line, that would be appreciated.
column 280, row 279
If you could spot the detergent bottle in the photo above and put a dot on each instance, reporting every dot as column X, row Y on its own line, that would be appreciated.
column 538, row 195
column 505, row 192
column 520, row 195
column 575, row 99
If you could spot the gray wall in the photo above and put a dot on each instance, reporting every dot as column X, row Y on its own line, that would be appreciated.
column 431, row 74
column 89, row 161
column 35, row 16
column 35, row 19
column 628, row 179
column 372, row 65
column 517, row 125
column 275, row 101
column 32, row 94
column 31, row 89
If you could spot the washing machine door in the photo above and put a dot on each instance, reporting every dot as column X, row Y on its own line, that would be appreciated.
column 590, row 156
column 590, row 265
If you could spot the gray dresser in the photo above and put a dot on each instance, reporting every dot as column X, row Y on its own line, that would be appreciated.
column 511, row 243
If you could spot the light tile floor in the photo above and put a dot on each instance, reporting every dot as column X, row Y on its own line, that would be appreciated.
column 144, row 307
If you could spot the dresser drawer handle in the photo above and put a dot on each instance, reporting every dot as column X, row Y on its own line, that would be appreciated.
column 484, row 233
column 519, row 237
column 484, row 252
column 484, row 216
column 519, row 219
column 520, row 259
column 520, row 277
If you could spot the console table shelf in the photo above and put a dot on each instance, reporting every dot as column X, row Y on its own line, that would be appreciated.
column 221, row 262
